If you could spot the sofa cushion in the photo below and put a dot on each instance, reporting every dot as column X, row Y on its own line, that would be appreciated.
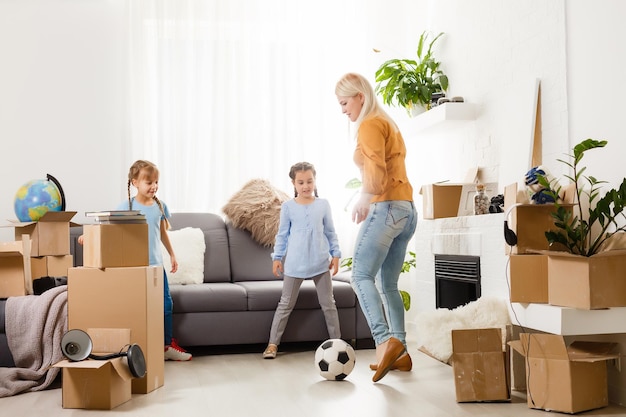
column 217, row 259
column 256, row 208
column 264, row 295
column 249, row 260
column 189, row 246
column 209, row 297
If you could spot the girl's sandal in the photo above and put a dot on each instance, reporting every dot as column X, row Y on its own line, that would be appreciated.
column 270, row 351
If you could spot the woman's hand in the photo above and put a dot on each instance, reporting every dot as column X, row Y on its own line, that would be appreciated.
column 361, row 208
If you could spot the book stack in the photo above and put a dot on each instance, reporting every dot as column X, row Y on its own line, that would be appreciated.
column 117, row 217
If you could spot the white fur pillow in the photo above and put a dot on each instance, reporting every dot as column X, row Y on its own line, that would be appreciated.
column 256, row 208
column 189, row 247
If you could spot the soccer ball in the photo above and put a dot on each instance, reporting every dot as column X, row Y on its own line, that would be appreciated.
column 335, row 359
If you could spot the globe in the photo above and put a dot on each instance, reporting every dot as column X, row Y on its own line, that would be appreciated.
column 36, row 198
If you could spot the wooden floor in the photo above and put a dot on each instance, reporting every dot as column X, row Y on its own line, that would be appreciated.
column 228, row 383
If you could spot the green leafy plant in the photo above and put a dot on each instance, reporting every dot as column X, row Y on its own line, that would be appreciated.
column 409, row 262
column 409, row 82
column 584, row 235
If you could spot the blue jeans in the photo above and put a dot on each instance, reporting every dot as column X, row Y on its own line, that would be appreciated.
column 377, row 263
column 168, row 307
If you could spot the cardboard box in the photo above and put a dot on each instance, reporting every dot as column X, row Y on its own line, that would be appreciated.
column 50, row 235
column 440, row 200
column 122, row 298
column 15, row 274
column 50, row 266
column 530, row 223
column 479, row 363
column 589, row 283
column 115, row 245
column 98, row 384
column 528, row 278
column 569, row 379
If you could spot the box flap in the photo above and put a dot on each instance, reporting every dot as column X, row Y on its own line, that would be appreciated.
column 106, row 341
column 550, row 346
column 50, row 216
column 86, row 364
column 580, row 351
column 615, row 252
column 11, row 248
column 119, row 364
column 476, row 340
column 537, row 345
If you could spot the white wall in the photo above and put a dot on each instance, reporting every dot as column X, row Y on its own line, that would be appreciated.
column 595, row 83
column 62, row 99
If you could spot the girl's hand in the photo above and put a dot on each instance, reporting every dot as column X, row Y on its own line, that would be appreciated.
column 277, row 268
column 174, row 264
column 334, row 266
column 361, row 208
column 81, row 239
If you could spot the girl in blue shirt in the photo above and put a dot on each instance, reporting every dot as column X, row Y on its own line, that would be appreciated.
column 144, row 176
column 307, row 229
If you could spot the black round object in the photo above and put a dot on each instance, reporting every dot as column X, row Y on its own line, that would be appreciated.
column 136, row 361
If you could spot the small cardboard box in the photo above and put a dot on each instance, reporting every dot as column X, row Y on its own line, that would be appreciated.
column 569, row 379
column 441, row 200
column 15, row 274
column 528, row 277
column 50, row 266
column 129, row 298
column 50, row 235
column 528, row 221
column 115, row 245
column 589, row 283
column 479, row 364
column 98, row 384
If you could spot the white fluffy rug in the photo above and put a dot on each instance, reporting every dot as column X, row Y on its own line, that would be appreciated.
column 434, row 328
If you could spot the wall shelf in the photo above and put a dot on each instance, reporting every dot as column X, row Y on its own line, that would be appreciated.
column 569, row 321
column 447, row 115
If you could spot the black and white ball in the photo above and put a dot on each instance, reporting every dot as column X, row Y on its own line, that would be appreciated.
column 335, row 359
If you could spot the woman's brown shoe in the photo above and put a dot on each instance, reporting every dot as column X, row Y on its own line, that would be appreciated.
column 404, row 364
column 395, row 349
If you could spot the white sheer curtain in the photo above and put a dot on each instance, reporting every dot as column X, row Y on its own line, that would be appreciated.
column 223, row 91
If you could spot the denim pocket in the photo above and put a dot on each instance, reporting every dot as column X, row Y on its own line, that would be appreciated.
column 398, row 215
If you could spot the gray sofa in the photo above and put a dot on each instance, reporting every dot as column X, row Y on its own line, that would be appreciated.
column 236, row 303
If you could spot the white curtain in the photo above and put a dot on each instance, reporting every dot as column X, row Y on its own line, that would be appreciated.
column 224, row 91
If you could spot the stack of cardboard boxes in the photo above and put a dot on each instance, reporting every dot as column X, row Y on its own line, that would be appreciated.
column 41, row 250
column 559, row 377
column 116, row 289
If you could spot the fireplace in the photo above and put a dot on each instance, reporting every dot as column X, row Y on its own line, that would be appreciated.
column 457, row 280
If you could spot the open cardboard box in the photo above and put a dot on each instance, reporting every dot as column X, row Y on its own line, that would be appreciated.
column 15, row 272
column 479, row 363
column 528, row 221
column 50, row 235
column 98, row 384
column 589, row 283
column 446, row 199
column 569, row 379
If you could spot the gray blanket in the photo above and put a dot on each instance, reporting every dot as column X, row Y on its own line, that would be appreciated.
column 35, row 325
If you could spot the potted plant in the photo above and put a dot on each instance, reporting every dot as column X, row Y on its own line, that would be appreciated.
column 409, row 262
column 411, row 83
column 584, row 233
column 586, row 275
